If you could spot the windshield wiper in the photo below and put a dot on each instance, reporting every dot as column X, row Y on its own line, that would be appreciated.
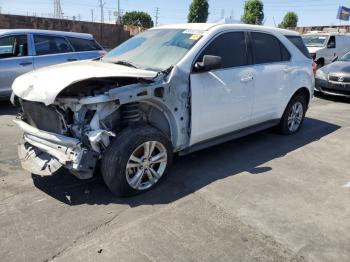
column 125, row 63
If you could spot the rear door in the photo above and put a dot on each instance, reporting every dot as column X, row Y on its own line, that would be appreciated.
column 222, row 99
column 51, row 50
column 273, row 69
column 86, row 48
column 15, row 60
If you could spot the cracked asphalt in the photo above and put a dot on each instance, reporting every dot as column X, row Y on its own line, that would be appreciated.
column 264, row 197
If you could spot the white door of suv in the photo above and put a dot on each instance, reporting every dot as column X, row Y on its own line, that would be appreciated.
column 273, row 70
column 222, row 99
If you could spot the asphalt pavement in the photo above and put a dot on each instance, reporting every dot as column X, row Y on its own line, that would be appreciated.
column 265, row 197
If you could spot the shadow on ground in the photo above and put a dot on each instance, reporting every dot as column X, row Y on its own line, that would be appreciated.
column 192, row 172
column 6, row 108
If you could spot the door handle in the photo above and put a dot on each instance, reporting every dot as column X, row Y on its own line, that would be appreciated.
column 72, row 59
column 25, row 63
column 246, row 79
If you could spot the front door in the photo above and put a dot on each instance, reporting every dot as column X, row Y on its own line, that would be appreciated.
column 222, row 99
column 14, row 61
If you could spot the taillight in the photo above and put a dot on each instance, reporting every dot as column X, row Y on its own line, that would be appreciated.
column 314, row 67
column 102, row 53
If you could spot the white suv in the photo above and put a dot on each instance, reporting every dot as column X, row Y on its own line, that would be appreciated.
column 171, row 89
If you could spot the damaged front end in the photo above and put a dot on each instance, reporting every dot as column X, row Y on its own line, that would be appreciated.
column 74, row 131
column 69, row 121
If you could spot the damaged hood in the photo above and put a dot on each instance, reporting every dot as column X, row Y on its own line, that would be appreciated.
column 45, row 84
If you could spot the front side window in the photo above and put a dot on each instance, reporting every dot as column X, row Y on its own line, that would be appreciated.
column 268, row 49
column 231, row 47
column 13, row 46
column 81, row 45
column 155, row 49
column 46, row 45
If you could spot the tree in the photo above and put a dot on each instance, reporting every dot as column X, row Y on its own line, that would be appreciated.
column 253, row 12
column 289, row 20
column 137, row 18
column 199, row 11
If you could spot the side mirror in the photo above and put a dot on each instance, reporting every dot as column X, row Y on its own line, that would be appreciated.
column 335, row 59
column 210, row 62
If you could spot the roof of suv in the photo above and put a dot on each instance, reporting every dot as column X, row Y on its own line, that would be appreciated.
column 209, row 26
column 51, row 32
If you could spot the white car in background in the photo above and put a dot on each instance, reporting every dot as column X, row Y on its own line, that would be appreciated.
column 326, row 46
column 171, row 89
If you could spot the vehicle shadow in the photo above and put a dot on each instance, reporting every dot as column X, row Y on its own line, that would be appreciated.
column 192, row 172
column 6, row 108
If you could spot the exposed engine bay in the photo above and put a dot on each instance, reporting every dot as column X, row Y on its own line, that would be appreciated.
column 80, row 124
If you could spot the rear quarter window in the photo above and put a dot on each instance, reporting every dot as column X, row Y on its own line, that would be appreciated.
column 268, row 49
column 299, row 43
column 81, row 45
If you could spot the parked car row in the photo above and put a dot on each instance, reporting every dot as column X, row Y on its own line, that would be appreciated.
column 22, row 51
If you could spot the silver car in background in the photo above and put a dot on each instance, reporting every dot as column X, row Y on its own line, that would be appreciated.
column 24, row 50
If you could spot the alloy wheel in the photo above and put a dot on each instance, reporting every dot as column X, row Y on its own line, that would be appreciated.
column 295, row 117
column 146, row 165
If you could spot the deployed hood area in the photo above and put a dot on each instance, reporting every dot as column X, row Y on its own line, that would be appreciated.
column 45, row 84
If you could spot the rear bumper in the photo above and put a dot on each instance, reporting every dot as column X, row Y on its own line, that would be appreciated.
column 44, row 153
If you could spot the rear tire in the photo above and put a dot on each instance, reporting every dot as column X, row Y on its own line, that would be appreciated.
column 136, row 160
column 294, row 115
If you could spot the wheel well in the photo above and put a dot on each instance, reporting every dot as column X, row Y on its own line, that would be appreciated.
column 304, row 92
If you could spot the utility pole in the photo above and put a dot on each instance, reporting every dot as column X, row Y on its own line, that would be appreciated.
column 157, row 15
column 102, row 12
column 102, row 19
column 118, row 10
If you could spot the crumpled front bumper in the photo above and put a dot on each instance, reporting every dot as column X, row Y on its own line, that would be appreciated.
column 44, row 153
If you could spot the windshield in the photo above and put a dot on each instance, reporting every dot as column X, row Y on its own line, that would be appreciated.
column 156, row 49
column 346, row 57
column 315, row 40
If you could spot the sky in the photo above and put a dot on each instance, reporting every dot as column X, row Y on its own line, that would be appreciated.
column 310, row 12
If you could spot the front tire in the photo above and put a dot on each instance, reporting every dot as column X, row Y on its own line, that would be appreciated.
column 136, row 160
column 294, row 115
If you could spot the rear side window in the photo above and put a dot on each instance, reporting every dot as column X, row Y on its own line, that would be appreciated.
column 268, row 49
column 231, row 47
column 299, row 43
column 13, row 46
column 46, row 44
column 81, row 45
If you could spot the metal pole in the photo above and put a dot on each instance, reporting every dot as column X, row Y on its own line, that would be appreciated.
column 118, row 18
column 92, row 15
